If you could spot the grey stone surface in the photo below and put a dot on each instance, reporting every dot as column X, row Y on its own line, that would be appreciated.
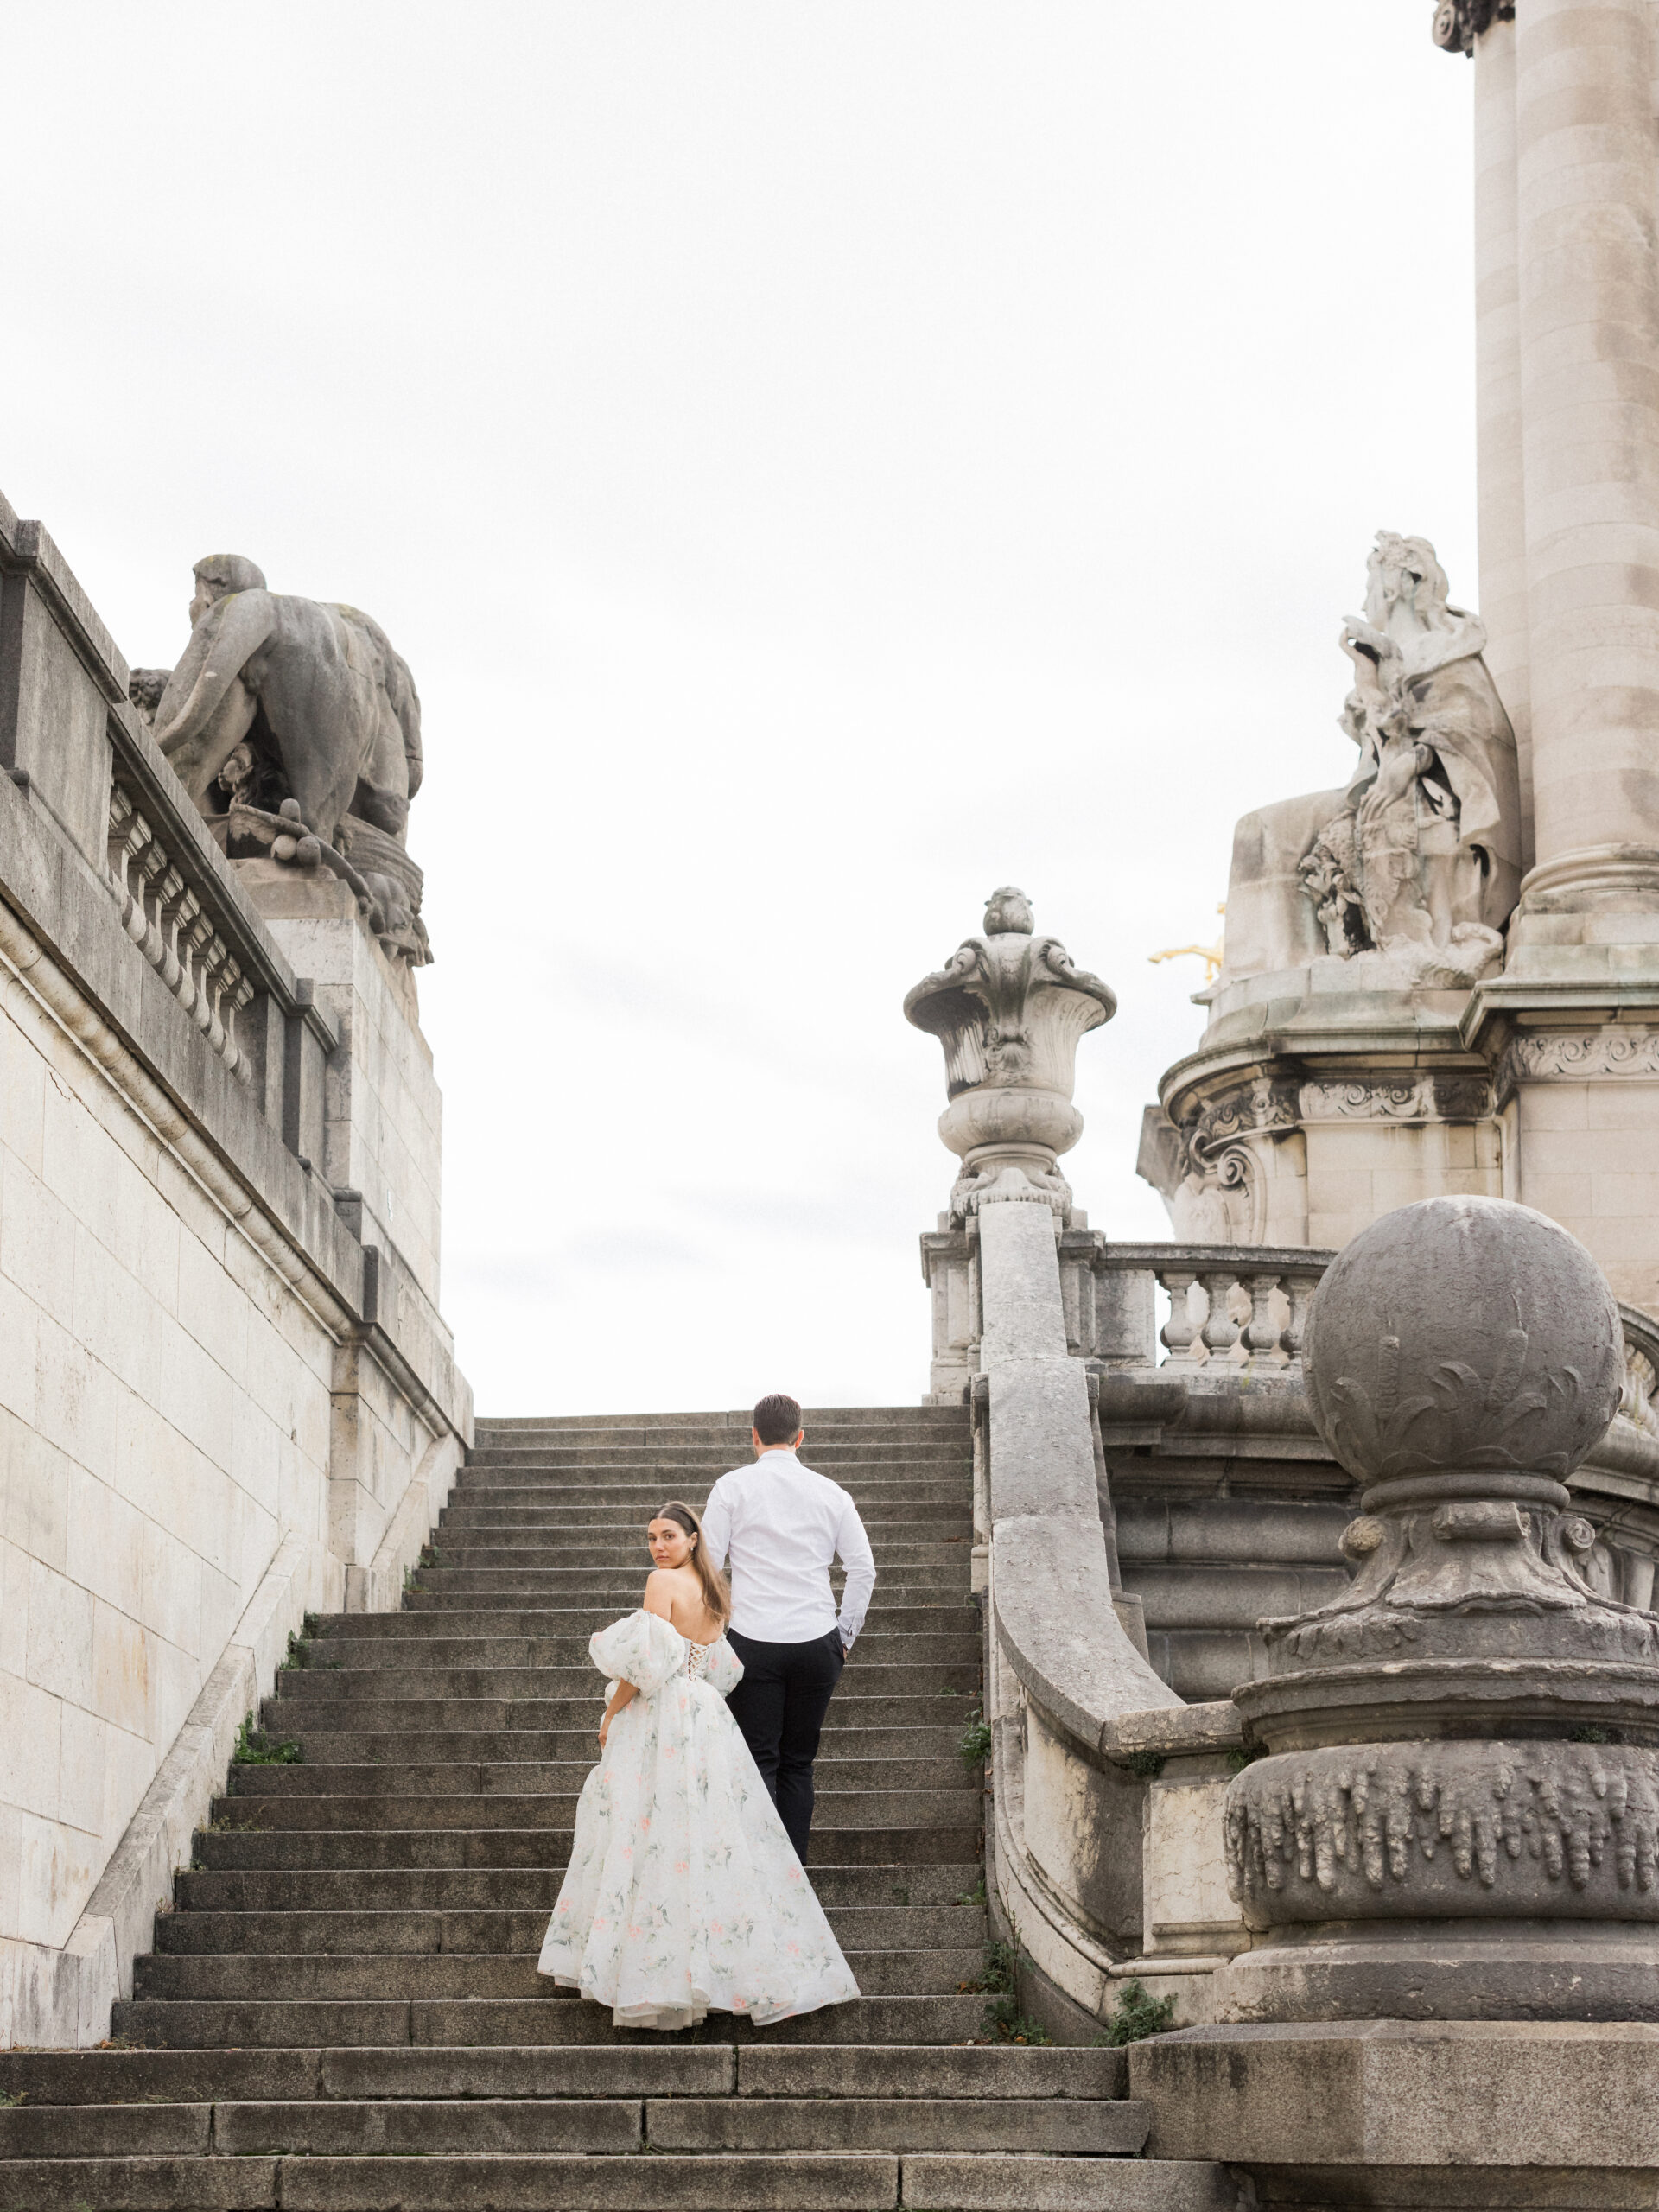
column 1459, row 1772
column 1385, row 2113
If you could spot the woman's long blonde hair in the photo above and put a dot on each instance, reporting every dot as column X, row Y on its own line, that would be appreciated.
column 715, row 1595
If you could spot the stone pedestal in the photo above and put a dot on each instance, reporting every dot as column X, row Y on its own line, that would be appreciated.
column 380, row 1129
column 1459, row 1814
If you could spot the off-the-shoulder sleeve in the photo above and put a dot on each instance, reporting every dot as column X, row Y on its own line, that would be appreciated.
column 724, row 1669
column 642, row 1649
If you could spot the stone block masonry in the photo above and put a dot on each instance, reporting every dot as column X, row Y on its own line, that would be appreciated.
column 227, row 1399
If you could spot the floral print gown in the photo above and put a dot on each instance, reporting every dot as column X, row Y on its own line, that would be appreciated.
column 683, row 1894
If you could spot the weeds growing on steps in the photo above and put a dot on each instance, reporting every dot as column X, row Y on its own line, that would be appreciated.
column 255, row 1748
column 1003, row 2021
column 976, row 1896
column 9, row 2097
column 1136, row 2016
column 300, row 1642
column 974, row 1747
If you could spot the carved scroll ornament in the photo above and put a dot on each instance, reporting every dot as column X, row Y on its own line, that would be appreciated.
column 1459, row 23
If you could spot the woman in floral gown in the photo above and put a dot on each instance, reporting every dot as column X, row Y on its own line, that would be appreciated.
column 684, row 1895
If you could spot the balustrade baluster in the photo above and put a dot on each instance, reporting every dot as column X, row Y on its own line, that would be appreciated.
column 169, row 893
column 1262, row 1331
column 1300, row 1289
column 1220, row 1330
column 1179, row 1333
column 213, row 960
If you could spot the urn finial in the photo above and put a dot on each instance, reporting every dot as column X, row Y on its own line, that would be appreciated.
column 1009, row 1008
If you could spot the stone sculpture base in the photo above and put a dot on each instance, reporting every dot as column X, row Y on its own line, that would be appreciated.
column 1387, row 2113
column 1447, row 1970
column 376, row 1136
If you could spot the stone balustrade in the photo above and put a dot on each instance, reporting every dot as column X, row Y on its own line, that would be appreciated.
column 1239, row 1306
column 161, row 911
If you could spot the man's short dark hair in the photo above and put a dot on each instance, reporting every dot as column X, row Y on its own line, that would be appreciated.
column 778, row 1419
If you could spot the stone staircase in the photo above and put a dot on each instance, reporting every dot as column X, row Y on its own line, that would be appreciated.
column 342, row 2010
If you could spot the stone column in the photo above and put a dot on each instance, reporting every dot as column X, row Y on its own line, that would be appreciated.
column 1458, row 1818
column 1501, row 473
column 1587, row 197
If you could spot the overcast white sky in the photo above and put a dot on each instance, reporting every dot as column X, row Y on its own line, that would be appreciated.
column 821, row 462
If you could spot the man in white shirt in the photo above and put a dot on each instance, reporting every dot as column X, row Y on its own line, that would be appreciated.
column 778, row 1525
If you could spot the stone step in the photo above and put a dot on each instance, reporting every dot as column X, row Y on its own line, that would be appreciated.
column 1082, row 2128
column 163, row 2022
column 327, row 1676
column 846, row 2181
column 378, row 2128
column 294, row 1801
column 920, row 1586
column 625, row 1489
column 507, row 2182
column 335, row 1747
column 726, row 1440
column 825, row 1422
column 531, row 1889
column 956, row 1929
column 638, row 1465
column 326, row 1977
column 497, row 1623
column 305, row 1702
column 249, row 1846
column 625, row 1553
column 1230, row 1595
column 396, row 1776
column 433, row 1648
column 653, row 2067
column 900, row 1524
column 816, row 2181
column 509, row 1596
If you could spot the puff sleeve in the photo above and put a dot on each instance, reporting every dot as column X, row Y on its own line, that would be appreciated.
column 642, row 1649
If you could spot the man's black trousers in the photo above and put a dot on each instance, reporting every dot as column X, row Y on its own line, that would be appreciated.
column 780, row 1706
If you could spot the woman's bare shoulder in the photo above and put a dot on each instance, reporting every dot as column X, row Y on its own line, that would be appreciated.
column 660, row 1586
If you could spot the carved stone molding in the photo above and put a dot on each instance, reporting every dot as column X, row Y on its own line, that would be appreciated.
column 1459, row 23
column 1262, row 1104
column 1594, row 1051
column 1447, row 1829
column 1403, row 1098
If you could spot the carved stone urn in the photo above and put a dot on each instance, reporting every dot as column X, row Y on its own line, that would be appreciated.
column 1459, row 1814
column 1009, row 1008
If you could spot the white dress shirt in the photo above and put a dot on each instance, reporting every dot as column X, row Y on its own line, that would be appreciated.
column 779, row 1525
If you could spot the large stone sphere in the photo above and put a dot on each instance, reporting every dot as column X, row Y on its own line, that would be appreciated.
column 1462, row 1333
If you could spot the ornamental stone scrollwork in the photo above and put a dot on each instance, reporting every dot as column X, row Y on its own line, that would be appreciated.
column 1459, row 23
column 1387, row 1098
column 295, row 728
column 1009, row 1008
column 1606, row 1051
